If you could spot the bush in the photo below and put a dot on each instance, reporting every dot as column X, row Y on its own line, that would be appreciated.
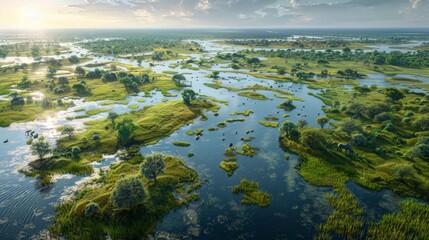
column 424, row 109
column 359, row 140
column 409, row 114
column 128, row 192
column 422, row 123
column 75, row 150
column 406, row 120
column 91, row 209
column 313, row 138
column 382, row 117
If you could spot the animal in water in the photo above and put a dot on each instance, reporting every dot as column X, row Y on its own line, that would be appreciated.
column 36, row 136
column 223, row 139
column 230, row 145
column 6, row 141
column 247, row 132
column 27, row 132
column 197, row 137
column 252, row 131
column 345, row 146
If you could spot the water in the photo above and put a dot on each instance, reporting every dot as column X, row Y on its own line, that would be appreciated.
column 26, row 208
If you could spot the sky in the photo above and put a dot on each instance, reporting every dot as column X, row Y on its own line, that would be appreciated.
column 36, row 14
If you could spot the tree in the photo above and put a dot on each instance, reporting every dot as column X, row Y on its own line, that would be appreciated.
column 63, row 81
column 215, row 74
column 152, row 166
column 128, row 193
column 35, row 51
column 302, row 123
column 80, row 88
column 51, row 71
column 178, row 78
column 73, row 59
column 313, row 138
column 322, row 121
column 422, row 123
column 69, row 130
column 287, row 127
column 41, row 148
column 349, row 126
column 394, row 94
column 112, row 116
column 188, row 95
column 125, row 129
column 80, row 70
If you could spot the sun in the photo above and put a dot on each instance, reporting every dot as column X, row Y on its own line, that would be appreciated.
column 31, row 17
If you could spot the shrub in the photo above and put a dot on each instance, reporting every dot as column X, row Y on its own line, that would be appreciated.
column 91, row 209
column 359, row 140
column 422, row 123
column 382, row 117
column 128, row 192
column 313, row 138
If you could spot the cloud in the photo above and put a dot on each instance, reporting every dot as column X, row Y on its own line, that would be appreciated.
column 144, row 15
column 203, row 5
column 414, row 3
column 294, row 3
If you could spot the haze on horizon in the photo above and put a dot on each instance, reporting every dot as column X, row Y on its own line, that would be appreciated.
column 40, row 14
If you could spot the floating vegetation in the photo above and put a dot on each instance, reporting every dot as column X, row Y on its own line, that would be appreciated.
column 109, row 102
column 287, row 105
column 286, row 115
column 221, row 124
column 229, row 165
column 288, row 97
column 286, row 156
column 248, row 139
column 245, row 113
column 181, row 144
column 252, row 195
column 213, row 99
column 141, row 100
column 230, row 152
column 191, row 154
column 247, row 150
column 347, row 218
column 230, row 120
column 195, row 132
column 204, row 118
column 411, row 222
column 212, row 129
column 253, row 95
column 133, row 106
column 96, row 111
column 269, row 124
column 271, row 118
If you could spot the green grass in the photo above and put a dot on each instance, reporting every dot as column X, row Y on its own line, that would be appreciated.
column 97, row 111
column 245, row 113
column 269, row 124
column 247, row 150
column 230, row 120
column 195, row 132
column 181, row 144
column 251, row 193
column 229, row 165
column 120, row 223
column 253, row 95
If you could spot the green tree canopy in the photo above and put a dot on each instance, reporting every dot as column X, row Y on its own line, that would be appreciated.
column 128, row 193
